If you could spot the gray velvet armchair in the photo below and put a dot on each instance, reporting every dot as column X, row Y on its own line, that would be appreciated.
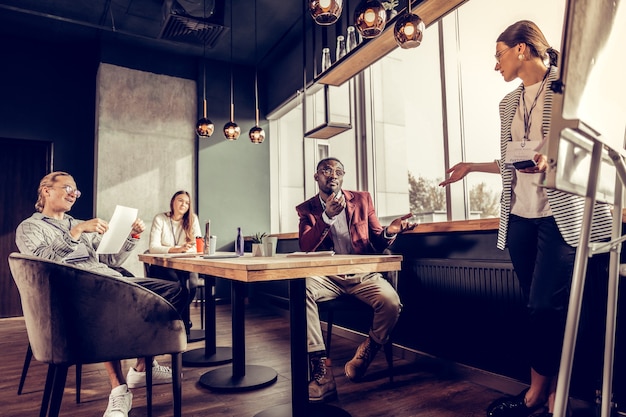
column 74, row 316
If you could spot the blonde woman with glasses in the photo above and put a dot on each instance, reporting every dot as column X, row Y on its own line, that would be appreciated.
column 53, row 234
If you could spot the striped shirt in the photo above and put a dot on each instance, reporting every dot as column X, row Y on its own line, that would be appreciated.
column 49, row 238
column 567, row 208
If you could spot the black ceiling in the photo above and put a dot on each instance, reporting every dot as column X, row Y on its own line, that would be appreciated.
column 179, row 26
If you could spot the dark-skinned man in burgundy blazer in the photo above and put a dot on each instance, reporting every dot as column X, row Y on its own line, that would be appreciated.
column 345, row 222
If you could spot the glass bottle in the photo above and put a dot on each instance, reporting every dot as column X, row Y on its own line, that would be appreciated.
column 239, row 243
column 207, row 238
column 351, row 42
column 340, row 50
column 325, row 59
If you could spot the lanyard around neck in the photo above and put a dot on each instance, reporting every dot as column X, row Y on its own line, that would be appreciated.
column 174, row 235
column 528, row 112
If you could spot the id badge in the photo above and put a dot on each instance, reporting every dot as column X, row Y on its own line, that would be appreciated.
column 517, row 151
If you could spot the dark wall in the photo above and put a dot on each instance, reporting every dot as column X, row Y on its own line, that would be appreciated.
column 281, row 73
column 48, row 94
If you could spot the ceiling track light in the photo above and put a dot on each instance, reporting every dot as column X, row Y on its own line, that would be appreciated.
column 325, row 12
column 370, row 18
column 409, row 29
column 256, row 134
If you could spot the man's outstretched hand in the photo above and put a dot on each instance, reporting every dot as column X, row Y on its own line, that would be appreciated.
column 401, row 225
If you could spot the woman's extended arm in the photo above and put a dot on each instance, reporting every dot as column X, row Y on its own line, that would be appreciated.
column 460, row 170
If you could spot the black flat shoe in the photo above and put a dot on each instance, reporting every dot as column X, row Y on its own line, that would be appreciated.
column 511, row 407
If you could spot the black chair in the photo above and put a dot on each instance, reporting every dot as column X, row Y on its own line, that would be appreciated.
column 63, row 311
column 349, row 303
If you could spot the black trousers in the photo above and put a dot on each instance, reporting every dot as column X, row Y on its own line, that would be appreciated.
column 182, row 278
column 544, row 265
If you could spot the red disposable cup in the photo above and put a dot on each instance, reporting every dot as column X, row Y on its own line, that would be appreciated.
column 200, row 244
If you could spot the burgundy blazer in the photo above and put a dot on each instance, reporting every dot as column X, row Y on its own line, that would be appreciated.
column 366, row 233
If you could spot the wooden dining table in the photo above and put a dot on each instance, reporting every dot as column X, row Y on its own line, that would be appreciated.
column 295, row 268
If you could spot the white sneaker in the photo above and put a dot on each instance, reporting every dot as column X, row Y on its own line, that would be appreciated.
column 120, row 402
column 160, row 375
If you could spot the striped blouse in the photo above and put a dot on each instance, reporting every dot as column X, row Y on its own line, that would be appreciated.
column 566, row 208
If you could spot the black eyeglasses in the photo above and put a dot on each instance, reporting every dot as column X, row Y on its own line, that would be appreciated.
column 499, row 54
column 70, row 190
column 328, row 172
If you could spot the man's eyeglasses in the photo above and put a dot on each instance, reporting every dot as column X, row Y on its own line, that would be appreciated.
column 499, row 54
column 328, row 172
column 70, row 190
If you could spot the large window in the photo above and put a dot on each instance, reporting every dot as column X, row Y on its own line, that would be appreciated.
column 440, row 100
column 416, row 112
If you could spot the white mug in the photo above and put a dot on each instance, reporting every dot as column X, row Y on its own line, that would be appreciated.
column 212, row 244
column 269, row 245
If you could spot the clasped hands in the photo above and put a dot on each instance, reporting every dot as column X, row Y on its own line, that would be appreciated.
column 182, row 248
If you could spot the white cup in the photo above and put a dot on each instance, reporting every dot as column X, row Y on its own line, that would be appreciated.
column 212, row 244
column 269, row 245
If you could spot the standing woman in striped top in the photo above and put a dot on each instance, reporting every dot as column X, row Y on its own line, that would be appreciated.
column 539, row 226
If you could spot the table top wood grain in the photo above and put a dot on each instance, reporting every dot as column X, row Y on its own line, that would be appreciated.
column 280, row 267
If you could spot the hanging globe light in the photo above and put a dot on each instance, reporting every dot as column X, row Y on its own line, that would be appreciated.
column 370, row 18
column 409, row 29
column 325, row 12
column 257, row 134
column 204, row 127
column 232, row 130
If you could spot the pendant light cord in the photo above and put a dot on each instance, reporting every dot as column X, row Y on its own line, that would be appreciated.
column 256, row 69
column 204, row 66
column 232, row 102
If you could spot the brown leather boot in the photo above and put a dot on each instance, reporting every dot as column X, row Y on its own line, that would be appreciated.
column 357, row 366
column 322, row 386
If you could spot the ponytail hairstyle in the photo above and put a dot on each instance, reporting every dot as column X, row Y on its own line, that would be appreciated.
column 529, row 33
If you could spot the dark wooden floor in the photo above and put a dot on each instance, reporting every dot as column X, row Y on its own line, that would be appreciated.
column 423, row 386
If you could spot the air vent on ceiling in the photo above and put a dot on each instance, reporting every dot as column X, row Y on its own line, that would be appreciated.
column 184, row 21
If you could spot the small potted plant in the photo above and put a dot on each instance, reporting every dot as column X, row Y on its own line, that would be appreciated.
column 257, row 243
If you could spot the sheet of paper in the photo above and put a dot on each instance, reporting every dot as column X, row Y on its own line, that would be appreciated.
column 119, row 228
column 310, row 254
column 221, row 255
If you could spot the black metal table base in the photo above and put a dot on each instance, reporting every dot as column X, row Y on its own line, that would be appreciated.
column 222, row 379
column 195, row 335
column 198, row 357
column 312, row 410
